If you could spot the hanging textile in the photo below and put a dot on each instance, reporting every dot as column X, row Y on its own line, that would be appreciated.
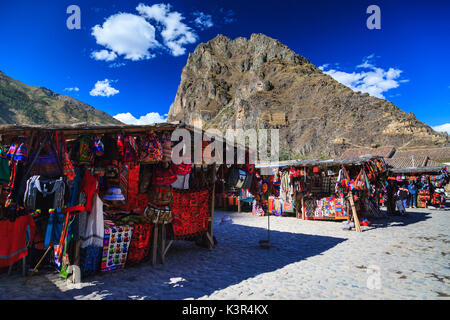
column 39, row 190
column 166, row 146
column 115, row 247
column 130, row 150
column 134, row 199
column 190, row 212
column 140, row 243
column 91, row 226
column 13, row 239
column 89, row 187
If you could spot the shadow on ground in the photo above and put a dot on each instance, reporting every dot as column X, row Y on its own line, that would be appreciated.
column 400, row 221
column 193, row 272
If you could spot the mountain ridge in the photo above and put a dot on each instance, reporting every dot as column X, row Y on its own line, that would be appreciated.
column 25, row 104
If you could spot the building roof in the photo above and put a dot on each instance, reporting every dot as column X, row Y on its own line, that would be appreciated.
column 406, row 162
column 321, row 163
column 416, row 170
column 437, row 154
column 385, row 152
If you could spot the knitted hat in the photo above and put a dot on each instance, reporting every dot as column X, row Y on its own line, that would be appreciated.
column 114, row 194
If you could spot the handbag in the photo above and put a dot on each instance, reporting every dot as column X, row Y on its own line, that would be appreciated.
column 237, row 179
column 160, row 195
column 46, row 164
column 158, row 215
column 150, row 149
column 360, row 184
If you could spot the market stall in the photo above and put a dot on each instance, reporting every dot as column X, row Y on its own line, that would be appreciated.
column 335, row 189
column 99, row 197
column 423, row 186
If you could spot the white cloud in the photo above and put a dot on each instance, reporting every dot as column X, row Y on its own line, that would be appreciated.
column 149, row 118
column 104, row 55
column 443, row 128
column 76, row 89
column 127, row 34
column 175, row 33
column 202, row 20
column 372, row 80
column 103, row 89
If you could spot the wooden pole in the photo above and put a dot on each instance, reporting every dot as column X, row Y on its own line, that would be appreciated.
column 355, row 215
column 39, row 263
column 155, row 244
column 210, row 233
column 163, row 243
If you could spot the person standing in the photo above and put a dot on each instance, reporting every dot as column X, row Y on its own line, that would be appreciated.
column 412, row 195
column 403, row 194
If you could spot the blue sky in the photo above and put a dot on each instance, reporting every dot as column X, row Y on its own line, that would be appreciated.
column 128, row 55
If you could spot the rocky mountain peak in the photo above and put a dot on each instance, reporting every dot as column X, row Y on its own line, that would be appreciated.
column 261, row 83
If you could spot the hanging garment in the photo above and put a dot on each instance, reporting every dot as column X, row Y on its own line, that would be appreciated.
column 55, row 226
column 285, row 185
column 124, row 172
column 130, row 150
column 91, row 226
column 17, row 152
column 39, row 190
column 13, row 239
column 89, row 186
column 134, row 199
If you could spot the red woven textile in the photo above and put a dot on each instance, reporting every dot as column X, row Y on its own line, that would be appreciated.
column 140, row 243
column 13, row 246
column 134, row 199
column 190, row 212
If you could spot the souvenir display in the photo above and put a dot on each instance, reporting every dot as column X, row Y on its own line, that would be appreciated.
column 319, row 189
column 93, row 200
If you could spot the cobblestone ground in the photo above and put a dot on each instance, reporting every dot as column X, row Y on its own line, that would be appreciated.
column 395, row 258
